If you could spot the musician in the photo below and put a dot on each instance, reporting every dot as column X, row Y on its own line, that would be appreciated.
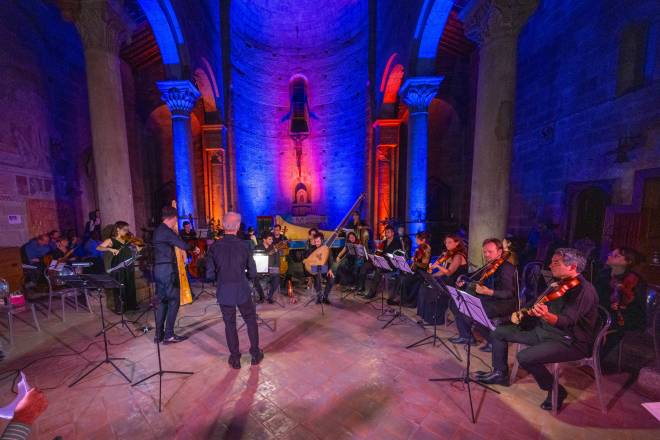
column 406, row 242
column 387, row 246
column 408, row 288
column 252, row 238
column 36, row 249
column 322, row 296
column 347, row 264
column 621, row 291
column 61, row 250
column 431, row 305
column 187, row 233
column 497, row 293
column 273, row 276
column 277, row 234
column 118, row 246
column 356, row 223
column 229, row 261
column 560, row 331
column 53, row 237
column 166, row 275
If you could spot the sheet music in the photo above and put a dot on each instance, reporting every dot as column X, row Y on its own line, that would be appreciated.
column 400, row 263
column 653, row 408
column 470, row 306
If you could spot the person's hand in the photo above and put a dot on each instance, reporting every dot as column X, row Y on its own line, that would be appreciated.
column 197, row 251
column 30, row 407
column 516, row 317
column 539, row 310
column 460, row 283
column 330, row 274
column 483, row 290
column 615, row 306
column 113, row 251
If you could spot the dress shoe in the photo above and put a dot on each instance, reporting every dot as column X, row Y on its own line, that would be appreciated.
column 547, row 403
column 486, row 348
column 461, row 340
column 174, row 339
column 235, row 363
column 256, row 360
column 270, row 301
column 497, row 377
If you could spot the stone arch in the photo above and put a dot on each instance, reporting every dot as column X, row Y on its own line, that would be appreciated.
column 205, row 86
column 430, row 26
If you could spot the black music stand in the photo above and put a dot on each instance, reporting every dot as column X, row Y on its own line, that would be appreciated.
column 98, row 283
column 357, row 251
column 439, row 287
column 260, row 320
column 400, row 264
column 384, row 267
column 316, row 273
column 160, row 373
column 123, row 321
column 470, row 306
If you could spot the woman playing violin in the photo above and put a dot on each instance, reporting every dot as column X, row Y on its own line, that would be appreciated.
column 119, row 245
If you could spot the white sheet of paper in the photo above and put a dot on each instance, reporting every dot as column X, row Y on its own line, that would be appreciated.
column 7, row 412
column 653, row 408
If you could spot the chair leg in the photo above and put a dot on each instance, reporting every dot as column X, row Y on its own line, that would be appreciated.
column 89, row 304
column 75, row 301
column 597, row 376
column 63, row 300
column 555, row 388
column 514, row 368
column 50, row 304
column 34, row 316
column 10, row 323
column 618, row 365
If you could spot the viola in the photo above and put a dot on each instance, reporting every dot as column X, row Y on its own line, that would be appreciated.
column 553, row 293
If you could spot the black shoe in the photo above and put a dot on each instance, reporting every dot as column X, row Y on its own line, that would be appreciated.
column 547, row 403
column 459, row 340
column 497, row 377
column 480, row 373
column 370, row 295
column 256, row 360
column 326, row 301
column 486, row 348
column 235, row 363
column 270, row 301
column 174, row 339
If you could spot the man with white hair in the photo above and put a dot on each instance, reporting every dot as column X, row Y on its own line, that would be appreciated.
column 229, row 262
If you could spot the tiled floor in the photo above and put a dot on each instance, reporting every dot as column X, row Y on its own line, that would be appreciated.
column 331, row 376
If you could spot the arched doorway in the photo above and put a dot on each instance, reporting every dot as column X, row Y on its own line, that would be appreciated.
column 588, row 217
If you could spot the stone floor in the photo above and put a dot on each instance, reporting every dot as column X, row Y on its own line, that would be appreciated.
column 327, row 376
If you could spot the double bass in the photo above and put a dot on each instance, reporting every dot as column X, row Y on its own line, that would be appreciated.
column 185, row 294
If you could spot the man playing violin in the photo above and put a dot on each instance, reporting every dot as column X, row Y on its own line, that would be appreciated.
column 268, row 247
column 561, row 327
column 496, row 290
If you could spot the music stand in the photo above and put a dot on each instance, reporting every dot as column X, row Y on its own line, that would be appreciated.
column 260, row 320
column 123, row 321
column 471, row 307
column 438, row 285
column 357, row 251
column 98, row 283
column 317, row 271
column 399, row 263
column 264, row 271
column 160, row 373
column 382, row 265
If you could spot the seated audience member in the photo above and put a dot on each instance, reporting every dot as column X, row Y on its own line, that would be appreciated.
column 622, row 292
column 409, row 284
column 432, row 305
column 53, row 237
column 497, row 293
column 36, row 249
column 558, row 331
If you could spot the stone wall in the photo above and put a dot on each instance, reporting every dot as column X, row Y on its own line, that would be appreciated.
column 327, row 42
column 46, row 173
column 569, row 117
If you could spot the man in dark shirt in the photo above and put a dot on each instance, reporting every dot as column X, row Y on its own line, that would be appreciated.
column 166, row 275
column 497, row 294
column 188, row 233
column 36, row 249
column 273, row 275
column 391, row 244
column 229, row 262
column 322, row 271
column 562, row 330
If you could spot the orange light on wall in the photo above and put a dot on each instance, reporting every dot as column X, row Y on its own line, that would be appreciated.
column 385, row 175
column 215, row 175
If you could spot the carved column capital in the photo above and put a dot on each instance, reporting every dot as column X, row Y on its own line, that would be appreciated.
column 488, row 20
column 102, row 24
column 418, row 92
column 180, row 96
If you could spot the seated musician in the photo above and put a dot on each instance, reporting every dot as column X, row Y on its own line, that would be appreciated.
column 432, row 305
column 347, row 264
column 278, row 236
column 562, row 330
column 53, row 237
column 62, row 251
column 252, row 238
column 410, row 283
column 622, row 291
column 273, row 276
column 324, row 271
column 356, row 223
column 387, row 246
column 406, row 242
column 187, row 233
column 496, row 289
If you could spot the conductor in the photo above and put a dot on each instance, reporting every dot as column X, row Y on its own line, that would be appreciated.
column 229, row 262
column 166, row 275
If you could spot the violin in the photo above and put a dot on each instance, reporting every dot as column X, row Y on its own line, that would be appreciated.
column 446, row 256
column 486, row 271
column 555, row 292
column 133, row 240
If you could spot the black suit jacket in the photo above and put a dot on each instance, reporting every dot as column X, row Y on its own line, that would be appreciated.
column 229, row 262
column 504, row 300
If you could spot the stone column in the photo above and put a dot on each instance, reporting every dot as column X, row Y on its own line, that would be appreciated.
column 385, row 163
column 180, row 97
column 494, row 25
column 103, row 28
column 417, row 93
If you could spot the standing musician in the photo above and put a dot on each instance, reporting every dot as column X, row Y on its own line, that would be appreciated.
column 409, row 284
column 562, row 330
column 119, row 246
column 229, row 262
column 278, row 237
column 325, row 270
column 431, row 305
column 166, row 275
column 387, row 246
column 268, row 247
column 496, row 289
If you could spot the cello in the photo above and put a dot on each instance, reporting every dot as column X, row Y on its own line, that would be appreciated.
column 185, row 294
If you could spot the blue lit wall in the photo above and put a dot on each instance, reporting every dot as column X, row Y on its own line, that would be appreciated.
column 327, row 42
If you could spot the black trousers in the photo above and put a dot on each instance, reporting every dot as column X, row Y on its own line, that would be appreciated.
column 329, row 282
column 273, row 285
column 363, row 272
column 541, row 350
column 249, row 314
column 167, row 291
